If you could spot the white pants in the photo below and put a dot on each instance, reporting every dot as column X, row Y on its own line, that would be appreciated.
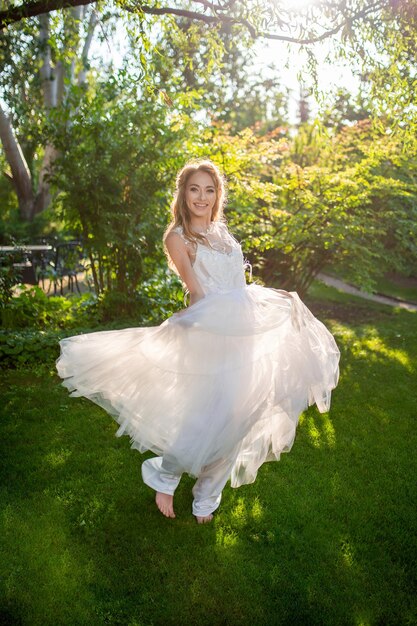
column 207, row 490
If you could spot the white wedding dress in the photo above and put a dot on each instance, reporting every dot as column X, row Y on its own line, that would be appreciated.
column 225, row 378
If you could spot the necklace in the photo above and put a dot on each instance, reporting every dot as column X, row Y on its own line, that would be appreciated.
column 206, row 231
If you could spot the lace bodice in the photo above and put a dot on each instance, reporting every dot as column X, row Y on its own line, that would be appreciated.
column 219, row 263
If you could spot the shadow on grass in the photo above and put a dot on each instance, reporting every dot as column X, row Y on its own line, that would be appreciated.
column 326, row 536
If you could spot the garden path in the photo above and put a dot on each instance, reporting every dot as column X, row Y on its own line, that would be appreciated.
column 331, row 281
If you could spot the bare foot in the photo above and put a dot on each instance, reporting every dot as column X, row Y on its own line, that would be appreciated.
column 165, row 504
column 204, row 520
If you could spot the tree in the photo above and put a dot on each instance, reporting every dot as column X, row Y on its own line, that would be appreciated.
column 391, row 66
column 363, row 26
column 116, row 165
column 33, row 97
column 184, row 56
column 346, row 109
column 218, row 69
column 350, row 206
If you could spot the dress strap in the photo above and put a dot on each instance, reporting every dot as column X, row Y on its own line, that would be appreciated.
column 191, row 245
column 180, row 231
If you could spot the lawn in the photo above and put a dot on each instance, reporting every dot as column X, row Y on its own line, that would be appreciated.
column 404, row 289
column 327, row 536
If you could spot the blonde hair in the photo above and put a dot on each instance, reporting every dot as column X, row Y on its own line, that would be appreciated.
column 179, row 209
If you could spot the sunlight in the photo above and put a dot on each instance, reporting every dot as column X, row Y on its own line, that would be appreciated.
column 226, row 538
column 314, row 433
column 257, row 511
column 374, row 346
column 322, row 433
column 346, row 550
column 55, row 459
column 239, row 512
column 377, row 345
column 296, row 5
column 328, row 430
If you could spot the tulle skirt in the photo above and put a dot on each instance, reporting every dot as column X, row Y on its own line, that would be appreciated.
column 228, row 377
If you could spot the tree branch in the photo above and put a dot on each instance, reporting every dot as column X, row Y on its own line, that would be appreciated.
column 82, row 74
column 192, row 15
column 38, row 7
column 15, row 14
column 327, row 33
column 211, row 6
column 20, row 172
column 76, row 14
column 48, row 81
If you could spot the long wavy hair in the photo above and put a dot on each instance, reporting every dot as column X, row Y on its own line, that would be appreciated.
column 179, row 209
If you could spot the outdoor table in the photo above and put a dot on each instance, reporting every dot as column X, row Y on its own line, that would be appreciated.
column 26, row 268
column 28, row 247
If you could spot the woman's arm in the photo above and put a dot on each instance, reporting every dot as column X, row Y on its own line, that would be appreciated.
column 178, row 252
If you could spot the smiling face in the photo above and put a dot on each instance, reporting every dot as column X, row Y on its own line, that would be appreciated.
column 200, row 196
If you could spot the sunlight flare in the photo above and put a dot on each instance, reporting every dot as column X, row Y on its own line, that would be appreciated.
column 297, row 5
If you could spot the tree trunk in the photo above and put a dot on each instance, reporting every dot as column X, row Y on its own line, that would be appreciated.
column 48, row 78
column 21, row 177
column 43, row 196
column 82, row 74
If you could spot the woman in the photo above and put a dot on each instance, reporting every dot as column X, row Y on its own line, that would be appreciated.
column 217, row 389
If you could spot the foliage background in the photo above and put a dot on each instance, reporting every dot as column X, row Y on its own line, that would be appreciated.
column 334, row 193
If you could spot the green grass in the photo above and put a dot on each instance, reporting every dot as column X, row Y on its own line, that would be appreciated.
column 327, row 536
column 404, row 290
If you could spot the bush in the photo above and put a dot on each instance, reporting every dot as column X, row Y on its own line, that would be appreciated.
column 32, row 308
column 29, row 347
column 33, row 323
column 152, row 302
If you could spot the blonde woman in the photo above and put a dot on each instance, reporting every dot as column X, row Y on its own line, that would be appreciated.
column 217, row 389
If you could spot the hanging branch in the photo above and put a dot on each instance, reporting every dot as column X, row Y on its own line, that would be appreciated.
column 219, row 16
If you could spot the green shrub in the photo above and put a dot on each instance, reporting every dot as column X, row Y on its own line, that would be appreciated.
column 32, row 308
column 34, row 347
column 152, row 302
column 28, row 347
column 33, row 323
